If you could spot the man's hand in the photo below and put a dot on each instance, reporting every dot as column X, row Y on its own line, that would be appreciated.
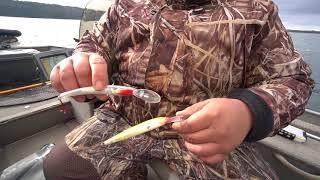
column 80, row 70
column 215, row 127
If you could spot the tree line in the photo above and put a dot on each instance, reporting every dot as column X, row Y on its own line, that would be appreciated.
column 38, row 10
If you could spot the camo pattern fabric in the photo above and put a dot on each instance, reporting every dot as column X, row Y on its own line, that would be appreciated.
column 128, row 159
column 189, row 51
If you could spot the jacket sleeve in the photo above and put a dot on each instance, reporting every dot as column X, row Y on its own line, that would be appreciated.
column 278, row 83
column 101, row 38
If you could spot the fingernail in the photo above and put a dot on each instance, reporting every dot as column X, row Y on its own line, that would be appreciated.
column 178, row 113
column 176, row 125
column 182, row 114
column 90, row 96
column 102, row 97
column 80, row 98
column 99, row 85
column 176, row 119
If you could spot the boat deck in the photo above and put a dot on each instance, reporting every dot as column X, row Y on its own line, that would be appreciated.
column 21, row 121
column 13, row 112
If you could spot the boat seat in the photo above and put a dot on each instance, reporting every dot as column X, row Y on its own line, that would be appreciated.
column 31, row 167
column 28, row 168
column 156, row 171
column 33, row 171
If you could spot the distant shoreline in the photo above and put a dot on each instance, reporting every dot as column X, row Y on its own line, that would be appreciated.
column 13, row 8
column 304, row 31
column 58, row 18
column 39, row 17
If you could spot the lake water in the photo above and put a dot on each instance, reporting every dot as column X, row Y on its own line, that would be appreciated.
column 308, row 45
column 38, row 32
column 60, row 32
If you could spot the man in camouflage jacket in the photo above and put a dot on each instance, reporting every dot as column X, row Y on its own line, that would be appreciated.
column 228, row 63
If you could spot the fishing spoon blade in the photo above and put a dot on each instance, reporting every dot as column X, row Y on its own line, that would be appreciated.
column 147, row 95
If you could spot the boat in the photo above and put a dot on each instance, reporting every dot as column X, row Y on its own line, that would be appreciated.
column 32, row 119
column 8, row 37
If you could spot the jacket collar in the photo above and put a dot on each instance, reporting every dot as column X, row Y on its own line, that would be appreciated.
column 184, row 4
column 188, row 4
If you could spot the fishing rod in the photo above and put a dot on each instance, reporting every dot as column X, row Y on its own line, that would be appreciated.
column 10, row 91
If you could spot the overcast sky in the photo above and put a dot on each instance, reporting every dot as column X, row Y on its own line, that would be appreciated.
column 299, row 6
column 75, row 3
column 300, row 14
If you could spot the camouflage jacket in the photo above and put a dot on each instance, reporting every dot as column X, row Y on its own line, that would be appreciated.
column 189, row 51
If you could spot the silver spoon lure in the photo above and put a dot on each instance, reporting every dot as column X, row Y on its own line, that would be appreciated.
column 146, row 95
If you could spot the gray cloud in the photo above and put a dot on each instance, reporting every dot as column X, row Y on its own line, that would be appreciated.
column 299, row 6
column 300, row 14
